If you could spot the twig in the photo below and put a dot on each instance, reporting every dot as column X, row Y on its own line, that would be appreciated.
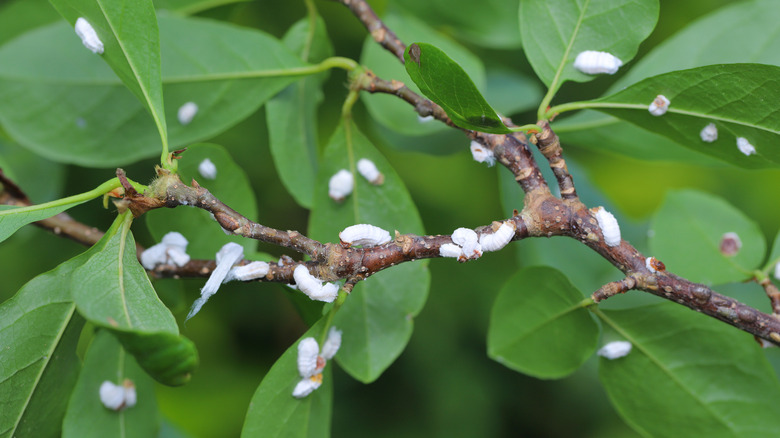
column 773, row 293
column 379, row 32
column 550, row 146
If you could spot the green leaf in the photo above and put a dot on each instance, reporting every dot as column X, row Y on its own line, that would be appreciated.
column 231, row 186
column 131, row 42
column 555, row 32
column 274, row 412
column 13, row 218
column 743, row 32
column 106, row 360
column 391, row 111
column 112, row 290
column 292, row 116
column 23, row 166
column 539, row 326
column 377, row 317
column 686, row 235
column 740, row 99
column 19, row 16
column 81, row 113
column 189, row 7
column 689, row 375
column 487, row 23
column 511, row 92
column 443, row 81
column 40, row 329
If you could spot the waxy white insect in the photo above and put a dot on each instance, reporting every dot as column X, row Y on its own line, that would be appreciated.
column 468, row 240
column 172, row 249
column 187, row 112
column 88, row 36
column 777, row 270
column 207, row 169
column 313, row 287
column 593, row 62
column 499, row 239
column 609, row 226
column 425, row 119
column 481, row 154
column 118, row 397
column 341, row 185
column 368, row 169
column 250, row 271
column 615, row 350
column 654, row 265
column 311, row 362
column 745, row 147
column 709, row 133
column 230, row 254
column 659, row 106
column 364, row 234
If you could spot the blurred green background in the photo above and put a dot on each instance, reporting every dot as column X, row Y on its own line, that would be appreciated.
column 443, row 384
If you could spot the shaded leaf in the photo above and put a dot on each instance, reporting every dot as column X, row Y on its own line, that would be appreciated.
column 292, row 116
column 81, row 113
column 488, row 23
column 106, row 360
column 740, row 99
column 111, row 290
column 686, row 235
column 377, row 316
column 13, row 218
column 538, row 325
column 555, row 32
column 443, row 81
column 510, row 92
column 131, row 42
column 39, row 372
column 689, row 375
column 189, row 7
column 231, row 186
column 391, row 111
column 273, row 410
column 23, row 166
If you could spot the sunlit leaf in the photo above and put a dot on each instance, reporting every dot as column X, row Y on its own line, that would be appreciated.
column 292, row 116
column 106, row 360
column 81, row 113
column 391, row 111
column 555, row 32
column 273, row 410
column 538, row 325
column 742, row 100
column 443, row 81
column 377, row 317
column 131, row 43
column 689, row 375
column 231, row 186
column 687, row 232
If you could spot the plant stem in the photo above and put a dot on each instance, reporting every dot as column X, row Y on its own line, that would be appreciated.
column 326, row 64
column 82, row 197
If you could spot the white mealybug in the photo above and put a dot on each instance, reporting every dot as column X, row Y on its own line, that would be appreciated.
column 368, row 169
column 364, row 234
column 187, row 112
column 650, row 265
column 311, row 361
column 659, row 106
column 341, row 185
column 172, row 249
column 615, row 350
column 332, row 344
column 499, row 239
column 481, row 154
column 313, row 287
column 730, row 244
column 777, row 270
column 609, row 226
column 468, row 241
column 118, row 397
column 250, row 271
column 88, row 36
column 745, row 147
column 207, row 169
column 230, row 254
column 593, row 62
column 450, row 250
column 709, row 133
column 425, row 119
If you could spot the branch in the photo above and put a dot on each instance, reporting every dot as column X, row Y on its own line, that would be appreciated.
column 379, row 32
